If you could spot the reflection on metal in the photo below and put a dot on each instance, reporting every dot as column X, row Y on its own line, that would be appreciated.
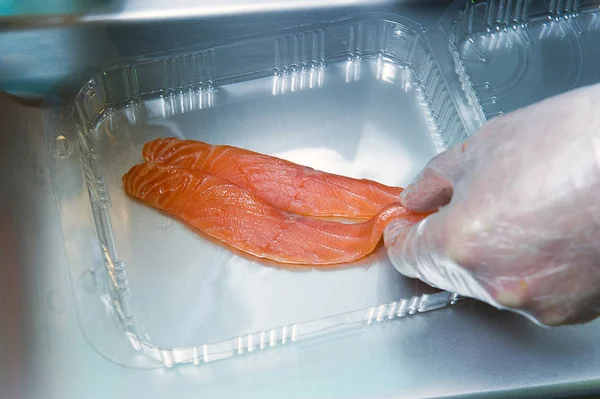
column 62, row 12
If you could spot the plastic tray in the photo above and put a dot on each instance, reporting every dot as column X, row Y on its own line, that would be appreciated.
column 519, row 52
column 374, row 96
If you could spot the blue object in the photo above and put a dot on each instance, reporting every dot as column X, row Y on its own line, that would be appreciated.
column 41, row 7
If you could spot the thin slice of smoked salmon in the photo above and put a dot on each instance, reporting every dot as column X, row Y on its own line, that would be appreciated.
column 284, row 184
column 242, row 220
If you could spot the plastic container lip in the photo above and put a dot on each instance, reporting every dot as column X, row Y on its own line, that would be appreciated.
column 368, row 55
column 509, row 53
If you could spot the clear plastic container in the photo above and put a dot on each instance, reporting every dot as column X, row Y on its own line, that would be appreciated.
column 374, row 96
column 516, row 53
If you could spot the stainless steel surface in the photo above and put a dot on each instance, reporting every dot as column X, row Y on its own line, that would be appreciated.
column 467, row 349
column 134, row 10
column 35, row 13
column 34, row 61
column 470, row 349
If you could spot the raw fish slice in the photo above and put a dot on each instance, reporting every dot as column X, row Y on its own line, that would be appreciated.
column 242, row 220
column 284, row 184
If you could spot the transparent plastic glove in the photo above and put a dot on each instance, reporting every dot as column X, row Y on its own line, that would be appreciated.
column 519, row 224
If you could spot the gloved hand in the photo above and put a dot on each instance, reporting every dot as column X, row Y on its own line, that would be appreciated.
column 519, row 224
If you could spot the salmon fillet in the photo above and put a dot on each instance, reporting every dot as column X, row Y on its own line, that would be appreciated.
column 244, row 221
column 286, row 185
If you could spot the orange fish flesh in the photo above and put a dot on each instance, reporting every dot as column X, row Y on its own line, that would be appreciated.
column 286, row 185
column 243, row 220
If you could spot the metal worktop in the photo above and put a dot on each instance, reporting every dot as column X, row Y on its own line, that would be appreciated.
column 468, row 349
